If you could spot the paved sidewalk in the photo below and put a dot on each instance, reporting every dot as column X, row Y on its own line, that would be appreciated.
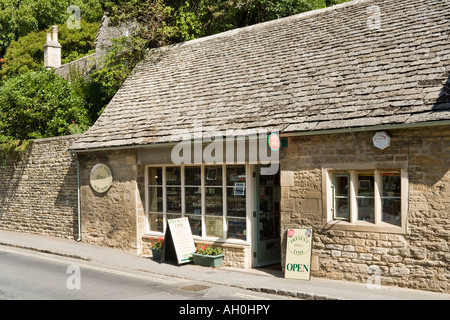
column 256, row 279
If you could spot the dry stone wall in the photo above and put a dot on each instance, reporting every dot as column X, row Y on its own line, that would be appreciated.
column 38, row 194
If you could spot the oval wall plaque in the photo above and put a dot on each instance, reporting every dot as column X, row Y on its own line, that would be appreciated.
column 101, row 178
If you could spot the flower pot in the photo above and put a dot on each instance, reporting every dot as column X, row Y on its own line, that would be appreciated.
column 208, row 261
column 156, row 253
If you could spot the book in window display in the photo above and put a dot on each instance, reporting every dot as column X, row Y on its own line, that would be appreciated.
column 239, row 189
column 236, row 229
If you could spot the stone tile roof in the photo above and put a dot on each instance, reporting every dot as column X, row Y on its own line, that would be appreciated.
column 360, row 64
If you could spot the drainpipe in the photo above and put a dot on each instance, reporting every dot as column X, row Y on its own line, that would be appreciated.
column 78, row 200
column 72, row 157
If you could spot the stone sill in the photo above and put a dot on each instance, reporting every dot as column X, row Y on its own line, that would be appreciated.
column 230, row 243
column 364, row 226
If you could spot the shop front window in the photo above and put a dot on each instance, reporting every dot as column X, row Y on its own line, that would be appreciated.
column 213, row 198
column 236, row 202
column 155, row 196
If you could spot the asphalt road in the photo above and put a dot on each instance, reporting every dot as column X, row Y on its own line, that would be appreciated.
column 30, row 275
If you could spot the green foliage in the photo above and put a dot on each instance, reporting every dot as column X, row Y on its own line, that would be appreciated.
column 158, row 244
column 27, row 53
column 99, row 87
column 172, row 21
column 208, row 250
column 20, row 17
column 39, row 104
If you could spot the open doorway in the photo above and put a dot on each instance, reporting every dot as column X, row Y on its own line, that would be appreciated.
column 267, row 220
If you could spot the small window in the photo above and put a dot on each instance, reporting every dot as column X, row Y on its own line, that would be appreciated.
column 366, row 198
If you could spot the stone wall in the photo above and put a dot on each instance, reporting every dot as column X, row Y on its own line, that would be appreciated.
column 110, row 219
column 38, row 194
column 419, row 258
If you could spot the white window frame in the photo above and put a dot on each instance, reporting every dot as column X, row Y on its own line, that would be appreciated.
column 353, row 224
column 248, row 201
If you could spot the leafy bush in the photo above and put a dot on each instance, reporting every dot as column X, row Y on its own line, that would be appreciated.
column 39, row 104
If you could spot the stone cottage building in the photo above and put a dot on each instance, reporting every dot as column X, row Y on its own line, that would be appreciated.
column 358, row 94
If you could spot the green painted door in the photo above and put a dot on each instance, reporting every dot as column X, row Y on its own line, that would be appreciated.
column 267, row 218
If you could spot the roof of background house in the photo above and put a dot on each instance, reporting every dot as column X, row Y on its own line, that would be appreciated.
column 334, row 68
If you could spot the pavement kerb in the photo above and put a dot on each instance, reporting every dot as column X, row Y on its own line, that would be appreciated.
column 62, row 254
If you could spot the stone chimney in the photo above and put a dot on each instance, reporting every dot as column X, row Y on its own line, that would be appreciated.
column 52, row 50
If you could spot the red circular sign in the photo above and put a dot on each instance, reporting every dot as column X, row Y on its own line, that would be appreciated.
column 274, row 142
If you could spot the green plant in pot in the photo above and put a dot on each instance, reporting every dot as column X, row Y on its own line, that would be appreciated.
column 156, row 247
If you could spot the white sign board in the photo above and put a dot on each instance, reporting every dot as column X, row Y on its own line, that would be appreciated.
column 183, row 243
column 298, row 254
column 381, row 140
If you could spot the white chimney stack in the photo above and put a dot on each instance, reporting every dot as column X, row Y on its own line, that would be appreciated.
column 52, row 50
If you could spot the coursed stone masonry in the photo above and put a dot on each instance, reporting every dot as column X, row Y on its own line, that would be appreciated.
column 110, row 219
column 38, row 194
column 418, row 259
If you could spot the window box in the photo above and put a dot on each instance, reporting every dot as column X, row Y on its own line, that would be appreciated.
column 207, row 260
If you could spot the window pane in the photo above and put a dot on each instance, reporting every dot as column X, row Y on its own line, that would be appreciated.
column 156, row 222
column 341, row 209
column 365, row 185
column 214, row 201
column 366, row 209
column 237, row 229
column 155, row 176
column 173, row 216
column 173, row 176
column 236, row 202
column 341, row 185
column 213, row 176
column 392, row 211
column 195, row 221
column 391, row 184
column 235, row 174
column 174, row 199
column 192, row 176
column 193, row 200
column 155, row 195
column 214, row 226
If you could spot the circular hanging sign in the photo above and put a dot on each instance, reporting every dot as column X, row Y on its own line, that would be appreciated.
column 101, row 178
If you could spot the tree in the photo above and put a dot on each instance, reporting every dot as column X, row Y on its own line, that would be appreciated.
column 39, row 104
column 27, row 53
column 20, row 17
column 171, row 21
